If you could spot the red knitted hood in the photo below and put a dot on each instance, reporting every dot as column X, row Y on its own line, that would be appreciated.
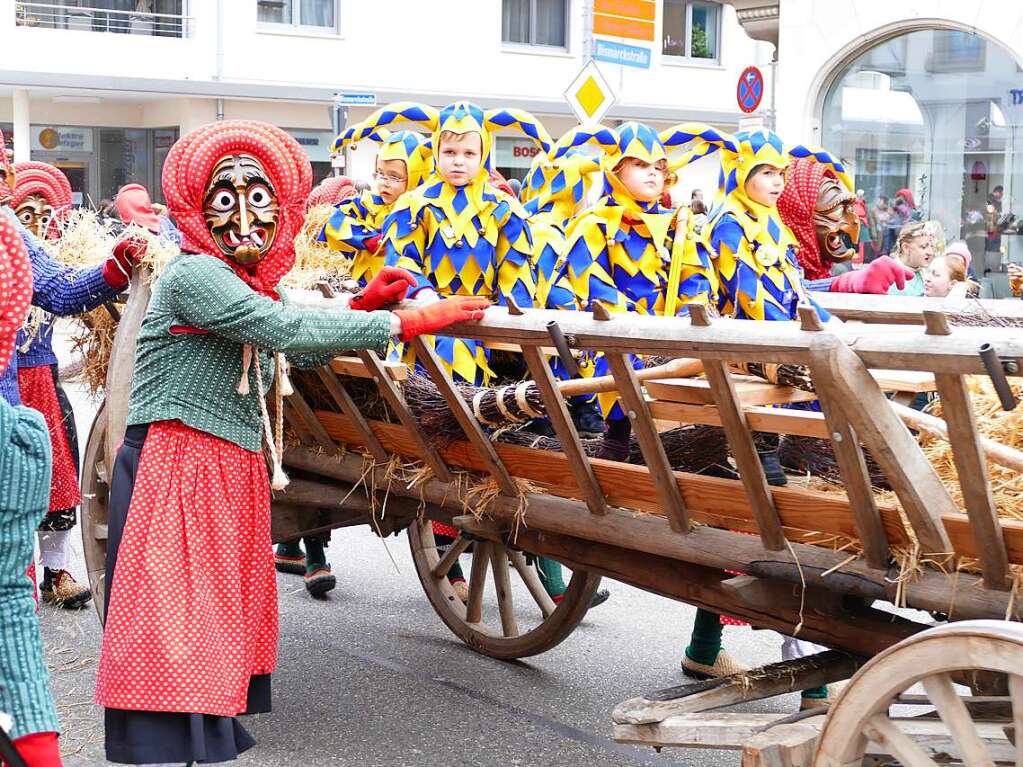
column 796, row 205
column 186, row 174
column 15, row 287
column 331, row 191
column 47, row 181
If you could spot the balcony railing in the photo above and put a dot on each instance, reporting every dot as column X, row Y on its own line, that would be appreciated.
column 69, row 15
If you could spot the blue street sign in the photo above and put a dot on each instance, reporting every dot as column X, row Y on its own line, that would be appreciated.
column 357, row 99
column 619, row 53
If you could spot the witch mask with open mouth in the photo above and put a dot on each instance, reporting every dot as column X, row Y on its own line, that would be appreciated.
column 35, row 214
column 241, row 208
column 834, row 216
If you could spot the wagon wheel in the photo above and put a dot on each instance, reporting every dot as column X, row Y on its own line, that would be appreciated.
column 95, row 495
column 520, row 619
column 935, row 658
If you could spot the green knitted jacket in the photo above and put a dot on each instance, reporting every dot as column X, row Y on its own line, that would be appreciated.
column 24, row 499
column 188, row 360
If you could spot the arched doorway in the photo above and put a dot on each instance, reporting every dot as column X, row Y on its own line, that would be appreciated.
column 937, row 112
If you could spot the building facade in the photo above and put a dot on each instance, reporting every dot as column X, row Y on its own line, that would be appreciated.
column 104, row 87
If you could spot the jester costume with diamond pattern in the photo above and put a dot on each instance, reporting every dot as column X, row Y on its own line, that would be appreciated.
column 619, row 252
column 355, row 227
column 471, row 240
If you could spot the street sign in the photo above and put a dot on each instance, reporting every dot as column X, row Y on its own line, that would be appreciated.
column 619, row 53
column 633, row 19
column 357, row 99
column 589, row 95
column 750, row 90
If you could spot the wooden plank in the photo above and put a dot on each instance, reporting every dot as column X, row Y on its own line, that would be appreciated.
column 855, row 478
column 910, row 309
column 803, row 423
column 785, row 745
column 423, row 449
column 916, row 381
column 740, row 440
column 960, row 532
column 357, row 368
column 706, row 546
column 923, row 496
column 557, row 411
column 344, row 401
column 427, row 357
column 710, row 500
column 717, row 730
column 323, row 439
column 757, row 684
column 660, row 470
column 971, row 467
column 749, row 391
column 295, row 422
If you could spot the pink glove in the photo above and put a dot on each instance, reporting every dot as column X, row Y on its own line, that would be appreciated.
column 135, row 207
column 126, row 254
column 880, row 275
column 390, row 286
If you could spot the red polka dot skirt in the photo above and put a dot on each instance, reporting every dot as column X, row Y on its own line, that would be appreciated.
column 193, row 604
column 39, row 392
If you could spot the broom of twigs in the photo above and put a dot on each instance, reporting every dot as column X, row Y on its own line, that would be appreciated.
column 816, row 457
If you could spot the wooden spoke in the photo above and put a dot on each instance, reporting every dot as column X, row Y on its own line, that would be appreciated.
column 885, row 732
column 532, row 582
column 1016, row 693
column 448, row 560
column 957, row 718
column 502, row 585
column 477, row 582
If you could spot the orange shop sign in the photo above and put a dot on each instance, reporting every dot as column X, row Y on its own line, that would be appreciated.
column 633, row 19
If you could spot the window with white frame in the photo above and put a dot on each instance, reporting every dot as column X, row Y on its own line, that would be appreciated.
column 313, row 15
column 535, row 22
column 691, row 29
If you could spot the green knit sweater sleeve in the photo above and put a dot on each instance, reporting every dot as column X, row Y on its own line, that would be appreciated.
column 207, row 294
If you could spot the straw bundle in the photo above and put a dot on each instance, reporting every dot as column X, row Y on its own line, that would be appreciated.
column 314, row 260
column 93, row 345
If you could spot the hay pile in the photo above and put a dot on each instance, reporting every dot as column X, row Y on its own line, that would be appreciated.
column 93, row 346
column 995, row 424
column 315, row 262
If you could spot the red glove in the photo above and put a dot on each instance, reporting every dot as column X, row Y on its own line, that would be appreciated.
column 372, row 243
column 117, row 268
column 437, row 316
column 135, row 207
column 880, row 275
column 39, row 749
column 390, row 286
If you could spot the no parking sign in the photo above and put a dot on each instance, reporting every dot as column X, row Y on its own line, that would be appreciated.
column 750, row 90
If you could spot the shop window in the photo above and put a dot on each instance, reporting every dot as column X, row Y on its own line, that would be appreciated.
column 934, row 113
column 313, row 15
column 691, row 29
column 535, row 22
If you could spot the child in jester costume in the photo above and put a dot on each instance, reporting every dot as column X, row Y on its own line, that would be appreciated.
column 620, row 252
column 458, row 233
column 354, row 229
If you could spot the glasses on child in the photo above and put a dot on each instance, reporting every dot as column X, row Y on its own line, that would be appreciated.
column 382, row 177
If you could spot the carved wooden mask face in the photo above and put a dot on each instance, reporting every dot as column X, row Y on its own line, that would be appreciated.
column 241, row 209
column 833, row 216
column 35, row 214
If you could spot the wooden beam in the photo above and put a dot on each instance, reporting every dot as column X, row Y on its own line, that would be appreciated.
column 971, row 467
column 740, row 440
column 344, row 401
column 427, row 357
column 312, row 423
column 650, row 442
column 923, row 496
column 802, row 423
column 853, row 466
column 898, row 310
column 421, row 446
column 357, row 368
column 557, row 411
column 964, row 542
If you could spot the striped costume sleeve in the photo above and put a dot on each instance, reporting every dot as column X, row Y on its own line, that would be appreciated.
column 405, row 240
column 516, row 274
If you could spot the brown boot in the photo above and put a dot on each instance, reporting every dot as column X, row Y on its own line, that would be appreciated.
column 61, row 590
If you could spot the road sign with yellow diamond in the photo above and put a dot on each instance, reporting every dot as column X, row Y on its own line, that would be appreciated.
column 589, row 95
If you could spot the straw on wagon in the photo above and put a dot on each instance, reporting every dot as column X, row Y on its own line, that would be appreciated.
column 315, row 262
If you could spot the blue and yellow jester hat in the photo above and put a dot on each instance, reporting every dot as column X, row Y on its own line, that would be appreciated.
column 462, row 117
column 559, row 179
column 410, row 147
column 739, row 154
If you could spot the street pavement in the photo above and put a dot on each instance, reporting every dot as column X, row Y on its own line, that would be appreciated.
column 371, row 676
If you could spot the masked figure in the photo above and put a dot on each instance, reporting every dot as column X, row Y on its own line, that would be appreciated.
column 42, row 198
column 184, row 655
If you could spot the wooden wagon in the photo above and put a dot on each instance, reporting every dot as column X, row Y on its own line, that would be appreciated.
column 676, row 534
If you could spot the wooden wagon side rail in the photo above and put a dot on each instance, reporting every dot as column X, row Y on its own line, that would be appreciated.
column 909, row 310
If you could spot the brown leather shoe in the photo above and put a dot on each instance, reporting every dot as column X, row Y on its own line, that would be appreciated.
column 61, row 590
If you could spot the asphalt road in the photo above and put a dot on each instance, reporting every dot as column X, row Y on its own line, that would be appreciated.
column 370, row 676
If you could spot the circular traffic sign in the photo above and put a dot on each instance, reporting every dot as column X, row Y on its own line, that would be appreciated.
column 750, row 89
